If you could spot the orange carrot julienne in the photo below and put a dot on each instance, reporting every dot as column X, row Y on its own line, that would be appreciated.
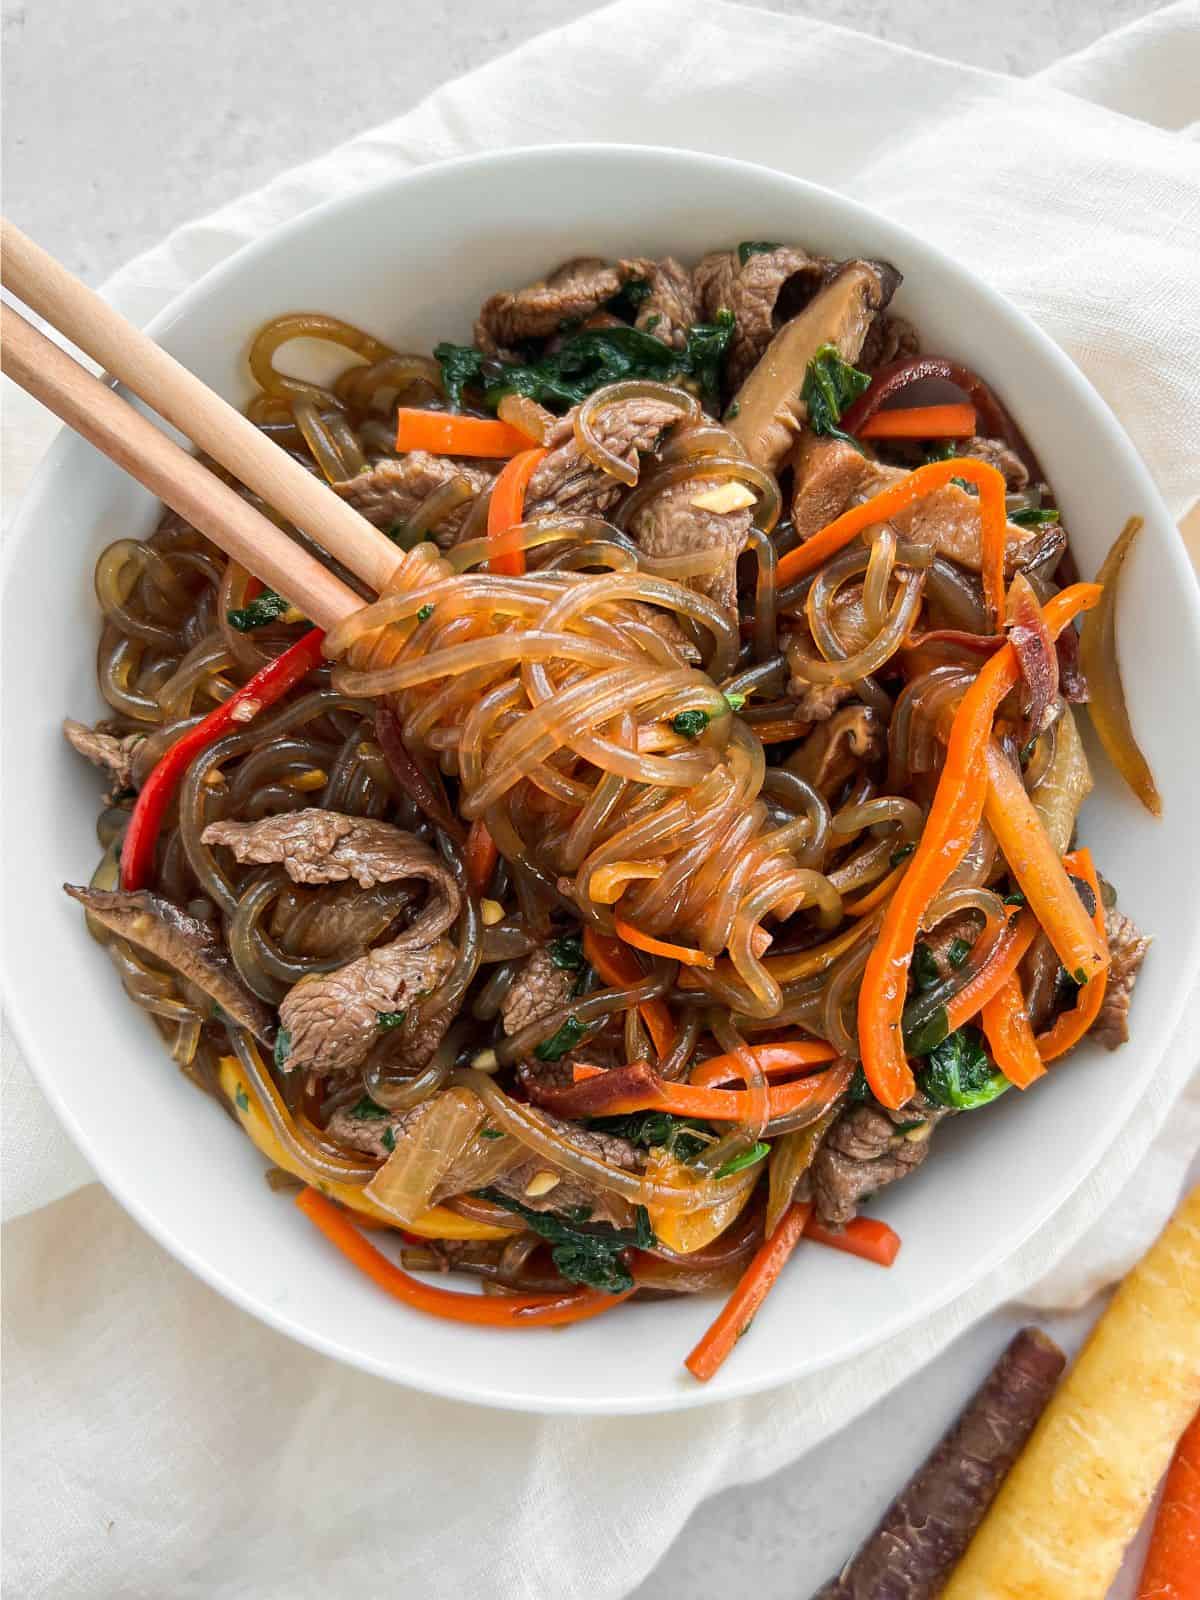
column 772, row 1058
column 618, row 966
column 1009, row 1034
column 993, row 521
column 953, row 817
column 1038, row 869
column 515, row 1311
column 921, row 422
column 445, row 433
column 480, row 856
column 1068, row 1029
column 583, row 1070
column 735, row 1105
column 661, row 947
column 1001, row 964
column 1172, row 1568
column 752, row 1289
column 506, row 508
column 865, row 1237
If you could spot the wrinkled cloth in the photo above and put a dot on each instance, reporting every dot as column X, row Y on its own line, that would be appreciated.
column 159, row 1440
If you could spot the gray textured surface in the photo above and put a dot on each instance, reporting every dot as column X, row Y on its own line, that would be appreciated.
column 124, row 118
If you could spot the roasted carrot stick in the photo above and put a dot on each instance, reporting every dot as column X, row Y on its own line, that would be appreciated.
column 444, row 433
column 753, row 1288
column 921, row 422
column 1172, row 1569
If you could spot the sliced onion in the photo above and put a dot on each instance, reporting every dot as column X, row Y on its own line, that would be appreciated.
column 529, row 418
column 1098, row 658
column 791, row 1156
column 428, row 1145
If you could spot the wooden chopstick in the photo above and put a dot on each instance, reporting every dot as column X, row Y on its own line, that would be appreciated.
column 178, row 395
column 123, row 434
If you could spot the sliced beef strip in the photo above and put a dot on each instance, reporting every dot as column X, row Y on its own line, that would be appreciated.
column 762, row 292
column 670, row 525
column 888, row 338
column 1127, row 950
column 187, row 945
column 332, row 1018
column 319, row 846
column 852, row 738
column 997, row 454
column 538, row 989
column 566, row 482
column 665, row 627
column 669, row 310
column 112, row 752
column 571, row 293
column 391, row 491
column 770, row 409
column 340, row 919
column 862, row 1152
column 831, row 476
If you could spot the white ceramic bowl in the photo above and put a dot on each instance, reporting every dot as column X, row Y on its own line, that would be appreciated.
column 411, row 260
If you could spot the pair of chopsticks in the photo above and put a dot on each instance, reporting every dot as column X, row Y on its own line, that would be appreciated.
column 96, row 411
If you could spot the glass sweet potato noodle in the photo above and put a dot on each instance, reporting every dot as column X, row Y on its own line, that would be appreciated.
column 691, row 828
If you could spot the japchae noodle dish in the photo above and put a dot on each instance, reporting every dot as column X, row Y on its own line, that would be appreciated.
column 631, row 890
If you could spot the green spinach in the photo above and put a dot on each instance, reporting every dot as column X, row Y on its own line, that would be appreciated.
column 566, row 952
column 960, row 1074
column 591, row 1256
column 265, row 608
column 830, row 384
column 557, row 1045
column 652, row 1129
column 739, row 1163
column 755, row 247
column 1033, row 517
column 690, row 724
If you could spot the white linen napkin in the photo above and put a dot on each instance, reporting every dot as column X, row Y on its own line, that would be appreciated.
column 158, row 1440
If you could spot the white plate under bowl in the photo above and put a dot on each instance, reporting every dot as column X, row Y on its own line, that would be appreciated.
column 410, row 260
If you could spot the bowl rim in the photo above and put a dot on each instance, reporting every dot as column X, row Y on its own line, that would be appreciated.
column 1059, row 1187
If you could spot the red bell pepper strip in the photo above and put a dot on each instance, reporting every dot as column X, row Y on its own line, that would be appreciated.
column 267, row 685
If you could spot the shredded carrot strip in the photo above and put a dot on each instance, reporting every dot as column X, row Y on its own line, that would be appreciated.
column 752, row 1289
column 953, row 817
column 1068, row 1029
column 445, row 433
column 865, row 1237
column 921, row 422
column 1035, row 864
column 994, row 524
column 583, row 1070
column 735, row 1105
column 1009, row 1034
column 661, row 947
column 512, row 1311
column 618, row 966
column 506, row 508
column 784, row 1056
column 995, row 972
